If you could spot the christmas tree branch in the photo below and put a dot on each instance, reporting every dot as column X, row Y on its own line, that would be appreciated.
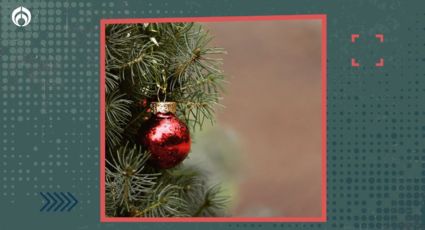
column 125, row 176
column 158, row 61
column 117, row 114
column 212, row 204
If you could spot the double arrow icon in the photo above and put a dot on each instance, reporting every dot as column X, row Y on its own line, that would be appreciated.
column 58, row 201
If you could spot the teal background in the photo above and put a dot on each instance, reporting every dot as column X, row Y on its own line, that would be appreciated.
column 376, row 118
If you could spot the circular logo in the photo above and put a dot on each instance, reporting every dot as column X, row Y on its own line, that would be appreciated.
column 21, row 16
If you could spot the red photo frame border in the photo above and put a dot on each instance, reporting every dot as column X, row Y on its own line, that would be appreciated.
column 103, row 22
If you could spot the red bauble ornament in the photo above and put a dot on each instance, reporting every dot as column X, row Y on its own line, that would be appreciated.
column 165, row 136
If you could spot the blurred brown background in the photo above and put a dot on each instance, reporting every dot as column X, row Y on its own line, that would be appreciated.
column 273, row 108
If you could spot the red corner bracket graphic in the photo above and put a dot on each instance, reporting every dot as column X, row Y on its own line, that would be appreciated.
column 354, row 37
column 380, row 37
column 380, row 63
column 354, row 62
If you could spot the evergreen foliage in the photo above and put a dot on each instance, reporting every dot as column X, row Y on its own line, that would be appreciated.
column 158, row 62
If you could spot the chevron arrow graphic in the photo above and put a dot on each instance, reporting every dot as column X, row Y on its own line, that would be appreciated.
column 61, row 201
column 58, row 201
column 75, row 201
column 54, row 202
column 47, row 201
column 67, row 201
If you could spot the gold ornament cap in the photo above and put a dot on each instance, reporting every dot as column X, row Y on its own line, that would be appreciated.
column 164, row 107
